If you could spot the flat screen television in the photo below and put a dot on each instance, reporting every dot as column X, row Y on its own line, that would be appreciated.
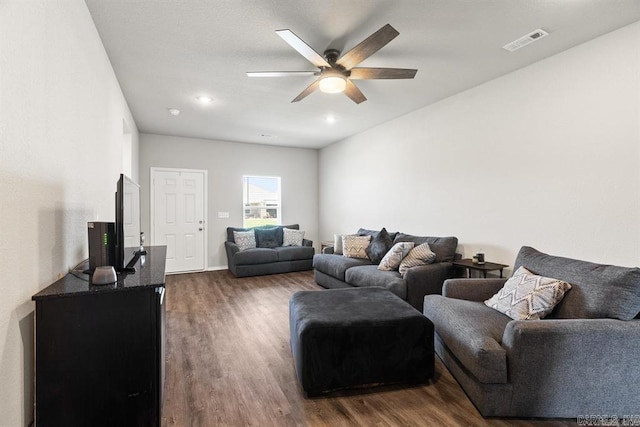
column 127, row 224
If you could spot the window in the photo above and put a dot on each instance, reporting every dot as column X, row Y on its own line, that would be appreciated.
column 261, row 195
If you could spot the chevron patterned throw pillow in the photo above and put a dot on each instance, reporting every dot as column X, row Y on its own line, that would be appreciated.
column 355, row 246
column 526, row 296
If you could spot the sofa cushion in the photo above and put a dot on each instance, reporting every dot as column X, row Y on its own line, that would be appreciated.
column 473, row 333
column 419, row 255
column 336, row 265
column 245, row 239
column 393, row 258
column 597, row 291
column 369, row 275
column 256, row 256
column 443, row 247
column 379, row 246
column 355, row 246
column 269, row 237
column 526, row 296
column 292, row 253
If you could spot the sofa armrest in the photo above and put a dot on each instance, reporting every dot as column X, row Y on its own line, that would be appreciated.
column 306, row 242
column 596, row 358
column 425, row 280
column 472, row 289
column 231, row 249
column 575, row 337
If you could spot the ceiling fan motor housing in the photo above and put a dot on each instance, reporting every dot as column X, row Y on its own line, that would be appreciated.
column 331, row 55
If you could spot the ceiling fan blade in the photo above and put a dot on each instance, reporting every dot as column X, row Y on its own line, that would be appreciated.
column 368, row 47
column 303, row 49
column 382, row 73
column 312, row 87
column 281, row 73
column 354, row 93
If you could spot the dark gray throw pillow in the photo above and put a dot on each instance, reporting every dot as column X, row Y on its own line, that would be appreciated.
column 268, row 237
column 379, row 246
column 374, row 233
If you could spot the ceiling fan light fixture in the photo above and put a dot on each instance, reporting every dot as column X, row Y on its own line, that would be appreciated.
column 333, row 84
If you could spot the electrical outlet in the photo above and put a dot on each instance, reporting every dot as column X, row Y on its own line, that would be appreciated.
column 223, row 214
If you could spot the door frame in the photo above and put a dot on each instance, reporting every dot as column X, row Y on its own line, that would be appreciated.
column 205, row 205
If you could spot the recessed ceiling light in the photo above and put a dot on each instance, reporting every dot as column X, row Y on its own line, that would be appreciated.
column 330, row 118
column 205, row 99
column 174, row 111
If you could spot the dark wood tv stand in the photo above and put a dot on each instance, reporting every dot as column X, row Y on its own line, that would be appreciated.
column 100, row 349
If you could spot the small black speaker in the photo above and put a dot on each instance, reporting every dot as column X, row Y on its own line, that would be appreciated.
column 102, row 244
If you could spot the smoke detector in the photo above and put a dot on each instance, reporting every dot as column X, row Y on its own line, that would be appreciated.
column 533, row 36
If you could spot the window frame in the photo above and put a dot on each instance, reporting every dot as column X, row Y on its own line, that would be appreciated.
column 268, row 205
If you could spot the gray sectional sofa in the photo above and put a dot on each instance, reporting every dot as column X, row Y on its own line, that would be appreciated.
column 580, row 360
column 271, row 258
column 333, row 270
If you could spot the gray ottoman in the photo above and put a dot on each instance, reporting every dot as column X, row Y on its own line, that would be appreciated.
column 343, row 338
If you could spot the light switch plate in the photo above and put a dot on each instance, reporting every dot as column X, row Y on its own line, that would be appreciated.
column 223, row 214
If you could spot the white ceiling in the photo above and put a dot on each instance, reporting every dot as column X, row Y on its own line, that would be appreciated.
column 167, row 52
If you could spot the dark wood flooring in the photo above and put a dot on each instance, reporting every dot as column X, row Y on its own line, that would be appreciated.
column 229, row 364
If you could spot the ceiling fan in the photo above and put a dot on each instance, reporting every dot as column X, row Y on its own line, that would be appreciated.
column 337, row 72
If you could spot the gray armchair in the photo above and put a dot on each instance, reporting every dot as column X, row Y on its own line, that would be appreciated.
column 582, row 359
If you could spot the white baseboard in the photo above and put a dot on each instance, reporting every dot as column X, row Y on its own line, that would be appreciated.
column 220, row 267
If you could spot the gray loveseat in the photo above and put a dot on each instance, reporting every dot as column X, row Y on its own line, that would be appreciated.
column 268, row 258
column 582, row 359
column 333, row 270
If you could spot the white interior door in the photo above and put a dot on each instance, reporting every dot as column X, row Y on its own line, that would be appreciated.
column 177, row 217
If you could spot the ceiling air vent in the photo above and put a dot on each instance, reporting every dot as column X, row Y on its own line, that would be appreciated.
column 525, row 40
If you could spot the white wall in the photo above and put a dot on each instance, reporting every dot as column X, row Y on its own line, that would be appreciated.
column 548, row 156
column 61, row 132
column 226, row 163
